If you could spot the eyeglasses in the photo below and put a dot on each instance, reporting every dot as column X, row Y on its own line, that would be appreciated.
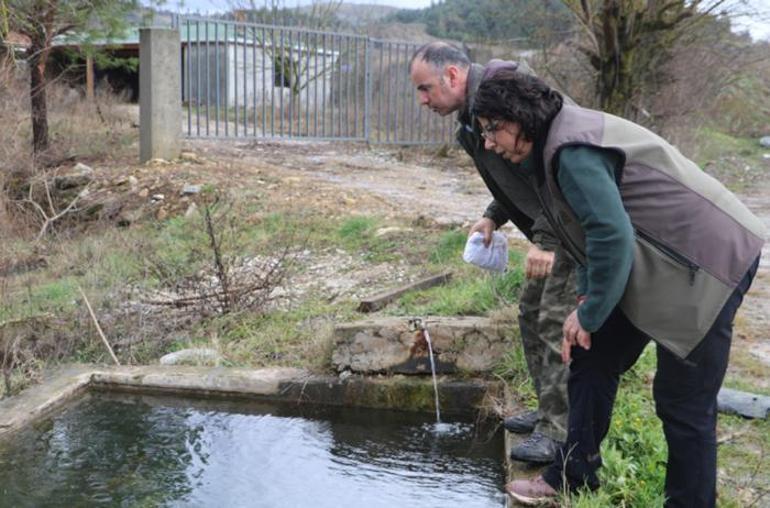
column 488, row 132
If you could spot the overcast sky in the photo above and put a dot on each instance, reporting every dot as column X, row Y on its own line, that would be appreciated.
column 759, row 27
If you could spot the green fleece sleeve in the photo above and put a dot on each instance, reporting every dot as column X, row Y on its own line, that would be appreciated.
column 581, row 279
column 587, row 180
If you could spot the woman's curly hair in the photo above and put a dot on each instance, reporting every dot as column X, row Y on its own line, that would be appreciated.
column 517, row 97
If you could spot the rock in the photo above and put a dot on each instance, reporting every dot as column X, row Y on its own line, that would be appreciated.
column 82, row 169
column 144, row 193
column 467, row 344
column 391, row 230
column 126, row 217
column 191, row 210
column 189, row 190
column 193, row 356
column 189, row 157
column 162, row 214
column 765, row 141
column 745, row 404
column 133, row 182
column 80, row 176
column 158, row 197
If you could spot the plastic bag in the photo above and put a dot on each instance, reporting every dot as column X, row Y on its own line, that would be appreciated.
column 493, row 258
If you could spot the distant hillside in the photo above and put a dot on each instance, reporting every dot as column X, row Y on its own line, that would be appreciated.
column 490, row 20
column 361, row 14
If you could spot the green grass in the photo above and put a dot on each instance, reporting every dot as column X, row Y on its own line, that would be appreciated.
column 466, row 295
column 299, row 337
column 450, row 247
column 513, row 369
column 714, row 145
column 56, row 297
column 472, row 291
column 744, row 460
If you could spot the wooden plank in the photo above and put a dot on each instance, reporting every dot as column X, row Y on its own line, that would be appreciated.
column 380, row 300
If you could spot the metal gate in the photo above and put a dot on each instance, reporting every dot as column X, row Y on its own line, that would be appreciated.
column 246, row 80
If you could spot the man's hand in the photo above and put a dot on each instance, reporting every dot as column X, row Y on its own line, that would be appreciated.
column 486, row 227
column 539, row 263
column 573, row 335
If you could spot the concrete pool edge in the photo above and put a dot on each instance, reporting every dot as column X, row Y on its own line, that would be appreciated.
column 66, row 383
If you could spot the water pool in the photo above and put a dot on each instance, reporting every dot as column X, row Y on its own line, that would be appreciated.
column 137, row 450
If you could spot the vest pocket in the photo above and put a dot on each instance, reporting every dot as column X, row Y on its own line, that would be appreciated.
column 692, row 268
column 670, row 298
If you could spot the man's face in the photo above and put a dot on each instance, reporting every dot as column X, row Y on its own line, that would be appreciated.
column 438, row 90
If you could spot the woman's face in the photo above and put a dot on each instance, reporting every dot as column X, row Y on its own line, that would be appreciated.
column 506, row 139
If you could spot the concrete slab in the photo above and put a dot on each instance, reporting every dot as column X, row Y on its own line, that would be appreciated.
column 408, row 393
column 58, row 387
column 749, row 405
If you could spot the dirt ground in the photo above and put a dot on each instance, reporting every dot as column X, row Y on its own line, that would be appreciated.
column 338, row 179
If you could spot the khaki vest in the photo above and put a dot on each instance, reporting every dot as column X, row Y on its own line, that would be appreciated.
column 695, row 240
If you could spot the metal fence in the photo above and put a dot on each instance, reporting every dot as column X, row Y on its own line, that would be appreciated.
column 245, row 80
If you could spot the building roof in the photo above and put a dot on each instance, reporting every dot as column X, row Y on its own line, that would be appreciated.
column 194, row 32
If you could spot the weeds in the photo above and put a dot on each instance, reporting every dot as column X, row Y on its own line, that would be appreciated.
column 78, row 132
column 471, row 292
column 224, row 282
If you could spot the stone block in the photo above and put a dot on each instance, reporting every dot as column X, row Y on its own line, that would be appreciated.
column 469, row 345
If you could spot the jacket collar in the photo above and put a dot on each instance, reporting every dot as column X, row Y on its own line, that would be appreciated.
column 475, row 74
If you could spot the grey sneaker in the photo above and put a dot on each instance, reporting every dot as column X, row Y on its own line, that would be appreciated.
column 522, row 423
column 536, row 448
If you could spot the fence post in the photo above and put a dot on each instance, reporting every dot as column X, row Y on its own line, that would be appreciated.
column 160, row 104
column 367, row 87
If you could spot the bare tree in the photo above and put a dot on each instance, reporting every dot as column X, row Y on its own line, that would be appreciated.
column 42, row 21
column 626, row 43
column 319, row 15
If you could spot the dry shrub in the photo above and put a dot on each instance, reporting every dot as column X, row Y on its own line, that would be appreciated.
column 714, row 77
column 227, row 282
column 80, row 130
column 196, row 270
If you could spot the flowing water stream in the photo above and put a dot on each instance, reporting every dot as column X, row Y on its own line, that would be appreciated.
column 433, row 372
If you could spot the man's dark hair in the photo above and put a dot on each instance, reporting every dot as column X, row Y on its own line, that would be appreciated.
column 440, row 54
column 517, row 97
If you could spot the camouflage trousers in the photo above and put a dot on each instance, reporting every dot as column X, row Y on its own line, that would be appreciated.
column 543, row 306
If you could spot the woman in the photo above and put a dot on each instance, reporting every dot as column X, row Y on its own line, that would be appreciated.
column 665, row 253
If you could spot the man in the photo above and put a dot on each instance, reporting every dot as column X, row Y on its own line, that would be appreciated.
column 446, row 82
column 665, row 253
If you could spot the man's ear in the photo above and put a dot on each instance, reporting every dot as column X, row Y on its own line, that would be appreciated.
column 452, row 73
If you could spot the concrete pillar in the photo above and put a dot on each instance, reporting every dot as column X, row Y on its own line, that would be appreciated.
column 160, row 89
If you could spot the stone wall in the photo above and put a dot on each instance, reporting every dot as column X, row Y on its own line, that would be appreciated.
column 469, row 345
